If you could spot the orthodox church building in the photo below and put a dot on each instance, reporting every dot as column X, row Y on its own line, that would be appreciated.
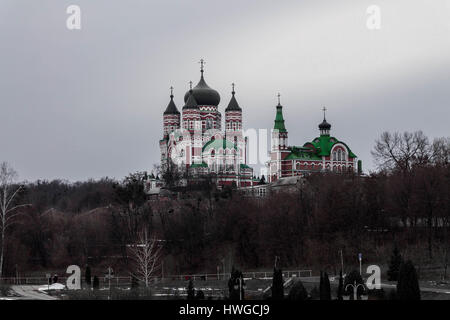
column 324, row 153
column 195, row 141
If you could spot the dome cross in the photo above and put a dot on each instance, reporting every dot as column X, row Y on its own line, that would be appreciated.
column 202, row 64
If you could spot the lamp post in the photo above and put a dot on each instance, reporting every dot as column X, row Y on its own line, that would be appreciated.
column 360, row 263
column 109, row 276
column 355, row 289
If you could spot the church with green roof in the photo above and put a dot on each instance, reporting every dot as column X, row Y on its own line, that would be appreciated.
column 324, row 153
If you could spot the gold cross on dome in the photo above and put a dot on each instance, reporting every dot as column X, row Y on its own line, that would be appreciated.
column 324, row 110
column 278, row 95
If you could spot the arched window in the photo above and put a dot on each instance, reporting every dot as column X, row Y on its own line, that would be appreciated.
column 339, row 154
column 334, row 155
column 213, row 153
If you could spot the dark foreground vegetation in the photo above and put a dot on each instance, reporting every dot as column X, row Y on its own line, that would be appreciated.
column 405, row 205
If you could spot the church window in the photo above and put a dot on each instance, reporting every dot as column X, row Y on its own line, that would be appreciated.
column 339, row 155
column 334, row 155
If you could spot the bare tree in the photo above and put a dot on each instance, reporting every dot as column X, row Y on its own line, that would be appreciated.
column 441, row 151
column 401, row 151
column 146, row 254
column 8, row 206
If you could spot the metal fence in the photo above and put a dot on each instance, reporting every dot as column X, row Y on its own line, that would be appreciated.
column 121, row 281
column 246, row 274
column 103, row 281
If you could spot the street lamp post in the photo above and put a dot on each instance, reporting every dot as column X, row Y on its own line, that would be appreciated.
column 109, row 276
column 360, row 263
column 355, row 289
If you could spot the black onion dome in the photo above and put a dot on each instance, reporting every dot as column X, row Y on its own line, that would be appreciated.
column 324, row 125
column 203, row 94
column 233, row 105
column 171, row 107
column 191, row 102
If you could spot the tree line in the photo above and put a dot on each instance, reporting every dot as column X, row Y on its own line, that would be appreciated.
column 405, row 203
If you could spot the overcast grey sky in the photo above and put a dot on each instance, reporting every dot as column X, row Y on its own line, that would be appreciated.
column 79, row 104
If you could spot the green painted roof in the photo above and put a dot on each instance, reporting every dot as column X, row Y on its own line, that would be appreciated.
column 244, row 166
column 325, row 143
column 218, row 144
column 199, row 165
column 301, row 153
column 279, row 120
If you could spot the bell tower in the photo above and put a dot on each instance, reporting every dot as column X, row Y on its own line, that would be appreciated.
column 279, row 144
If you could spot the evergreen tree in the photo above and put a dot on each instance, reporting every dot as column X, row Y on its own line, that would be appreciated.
column 200, row 295
column 87, row 276
column 96, row 283
column 298, row 292
column 277, row 284
column 190, row 290
column 340, row 290
column 408, row 284
column 394, row 265
column 325, row 289
column 263, row 180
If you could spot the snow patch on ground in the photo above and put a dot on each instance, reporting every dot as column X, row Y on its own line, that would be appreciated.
column 54, row 286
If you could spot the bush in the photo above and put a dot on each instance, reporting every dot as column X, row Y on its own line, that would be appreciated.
column 200, row 295
column 314, row 294
column 298, row 292
column 5, row 290
column 408, row 284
